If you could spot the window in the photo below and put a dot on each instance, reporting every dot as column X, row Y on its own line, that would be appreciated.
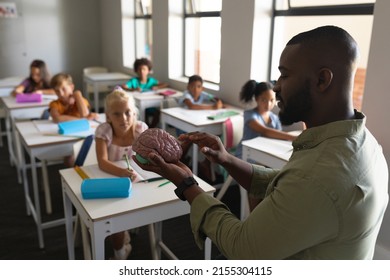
column 136, row 30
column 143, row 28
column 202, row 39
column 294, row 16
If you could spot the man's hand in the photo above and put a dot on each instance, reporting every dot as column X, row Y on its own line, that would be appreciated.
column 174, row 172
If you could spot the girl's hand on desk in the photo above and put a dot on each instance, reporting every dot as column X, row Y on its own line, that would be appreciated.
column 210, row 145
column 174, row 172
column 129, row 173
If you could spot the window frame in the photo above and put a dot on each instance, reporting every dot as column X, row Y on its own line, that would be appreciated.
column 195, row 14
column 144, row 16
column 330, row 10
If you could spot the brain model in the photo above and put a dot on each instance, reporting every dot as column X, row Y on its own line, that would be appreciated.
column 160, row 141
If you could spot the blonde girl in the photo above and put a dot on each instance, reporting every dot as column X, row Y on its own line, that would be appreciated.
column 114, row 140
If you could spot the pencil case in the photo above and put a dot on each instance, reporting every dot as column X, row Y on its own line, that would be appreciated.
column 28, row 98
column 222, row 115
column 167, row 92
column 105, row 188
column 75, row 126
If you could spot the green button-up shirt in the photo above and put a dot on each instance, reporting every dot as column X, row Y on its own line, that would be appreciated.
column 327, row 202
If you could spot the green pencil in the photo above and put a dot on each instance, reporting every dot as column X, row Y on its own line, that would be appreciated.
column 163, row 184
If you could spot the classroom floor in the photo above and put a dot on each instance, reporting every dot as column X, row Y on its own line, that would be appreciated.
column 18, row 233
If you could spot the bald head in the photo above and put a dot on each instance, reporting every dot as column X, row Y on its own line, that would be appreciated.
column 329, row 44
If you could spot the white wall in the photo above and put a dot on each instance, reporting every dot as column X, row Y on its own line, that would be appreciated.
column 64, row 33
column 376, row 102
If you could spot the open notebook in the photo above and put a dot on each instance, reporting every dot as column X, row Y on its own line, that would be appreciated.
column 93, row 171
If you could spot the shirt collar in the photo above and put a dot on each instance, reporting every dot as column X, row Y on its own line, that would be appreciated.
column 312, row 137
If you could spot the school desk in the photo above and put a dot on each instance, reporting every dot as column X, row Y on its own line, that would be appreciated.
column 269, row 152
column 20, row 111
column 102, row 79
column 146, row 204
column 40, row 142
column 195, row 120
column 150, row 99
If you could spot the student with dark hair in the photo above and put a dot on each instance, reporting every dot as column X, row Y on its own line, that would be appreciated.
column 144, row 82
column 260, row 120
column 329, row 200
column 37, row 82
column 195, row 98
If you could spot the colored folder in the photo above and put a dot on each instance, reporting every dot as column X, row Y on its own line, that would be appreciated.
column 105, row 188
column 222, row 115
column 28, row 98
column 73, row 126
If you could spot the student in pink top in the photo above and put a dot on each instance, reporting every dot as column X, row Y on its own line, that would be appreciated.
column 114, row 140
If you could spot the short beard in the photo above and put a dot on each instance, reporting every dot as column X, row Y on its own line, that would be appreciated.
column 299, row 106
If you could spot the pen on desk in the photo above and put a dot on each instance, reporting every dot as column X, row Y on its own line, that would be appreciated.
column 151, row 180
column 81, row 172
column 163, row 184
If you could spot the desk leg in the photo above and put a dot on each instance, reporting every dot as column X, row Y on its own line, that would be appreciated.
column 244, row 204
column 153, row 241
column 96, row 97
column 97, row 241
column 9, row 139
column 18, row 155
column 38, row 217
column 195, row 151
column 207, row 249
column 68, row 224
column 25, row 183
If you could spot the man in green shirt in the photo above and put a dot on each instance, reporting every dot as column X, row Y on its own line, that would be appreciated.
column 328, row 201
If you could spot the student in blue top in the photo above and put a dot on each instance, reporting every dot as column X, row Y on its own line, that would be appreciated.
column 260, row 121
column 196, row 99
column 142, row 83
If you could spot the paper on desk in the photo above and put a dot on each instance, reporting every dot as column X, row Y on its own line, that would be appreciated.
column 93, row 171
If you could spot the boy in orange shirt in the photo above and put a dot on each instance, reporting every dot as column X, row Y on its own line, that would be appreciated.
column 70, row 105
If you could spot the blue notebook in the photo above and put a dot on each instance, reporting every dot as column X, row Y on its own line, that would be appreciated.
column 75, row 126
column 105, row 188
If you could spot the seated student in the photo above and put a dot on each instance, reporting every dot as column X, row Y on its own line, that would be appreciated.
column 37, row 82
column 260, row 120
column 143, row 82
column 70, row 105
column 195, row 98
column 114, row 140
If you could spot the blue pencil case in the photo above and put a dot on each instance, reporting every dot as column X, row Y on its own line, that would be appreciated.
column 73, row 126
column 105, row 188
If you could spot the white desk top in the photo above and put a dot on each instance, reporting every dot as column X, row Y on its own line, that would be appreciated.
column 154, row 94
column 10, row 102
column 279, row 148
column 10, row 82
column 35, row 133
column 99, row 77
column 143, row 195
column 197, row 117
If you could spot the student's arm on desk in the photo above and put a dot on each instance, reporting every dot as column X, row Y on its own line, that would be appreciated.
column 270, row 132
column 108, row 166
column 217, row 105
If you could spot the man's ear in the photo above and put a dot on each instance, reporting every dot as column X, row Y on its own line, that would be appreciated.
column 325, row 77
